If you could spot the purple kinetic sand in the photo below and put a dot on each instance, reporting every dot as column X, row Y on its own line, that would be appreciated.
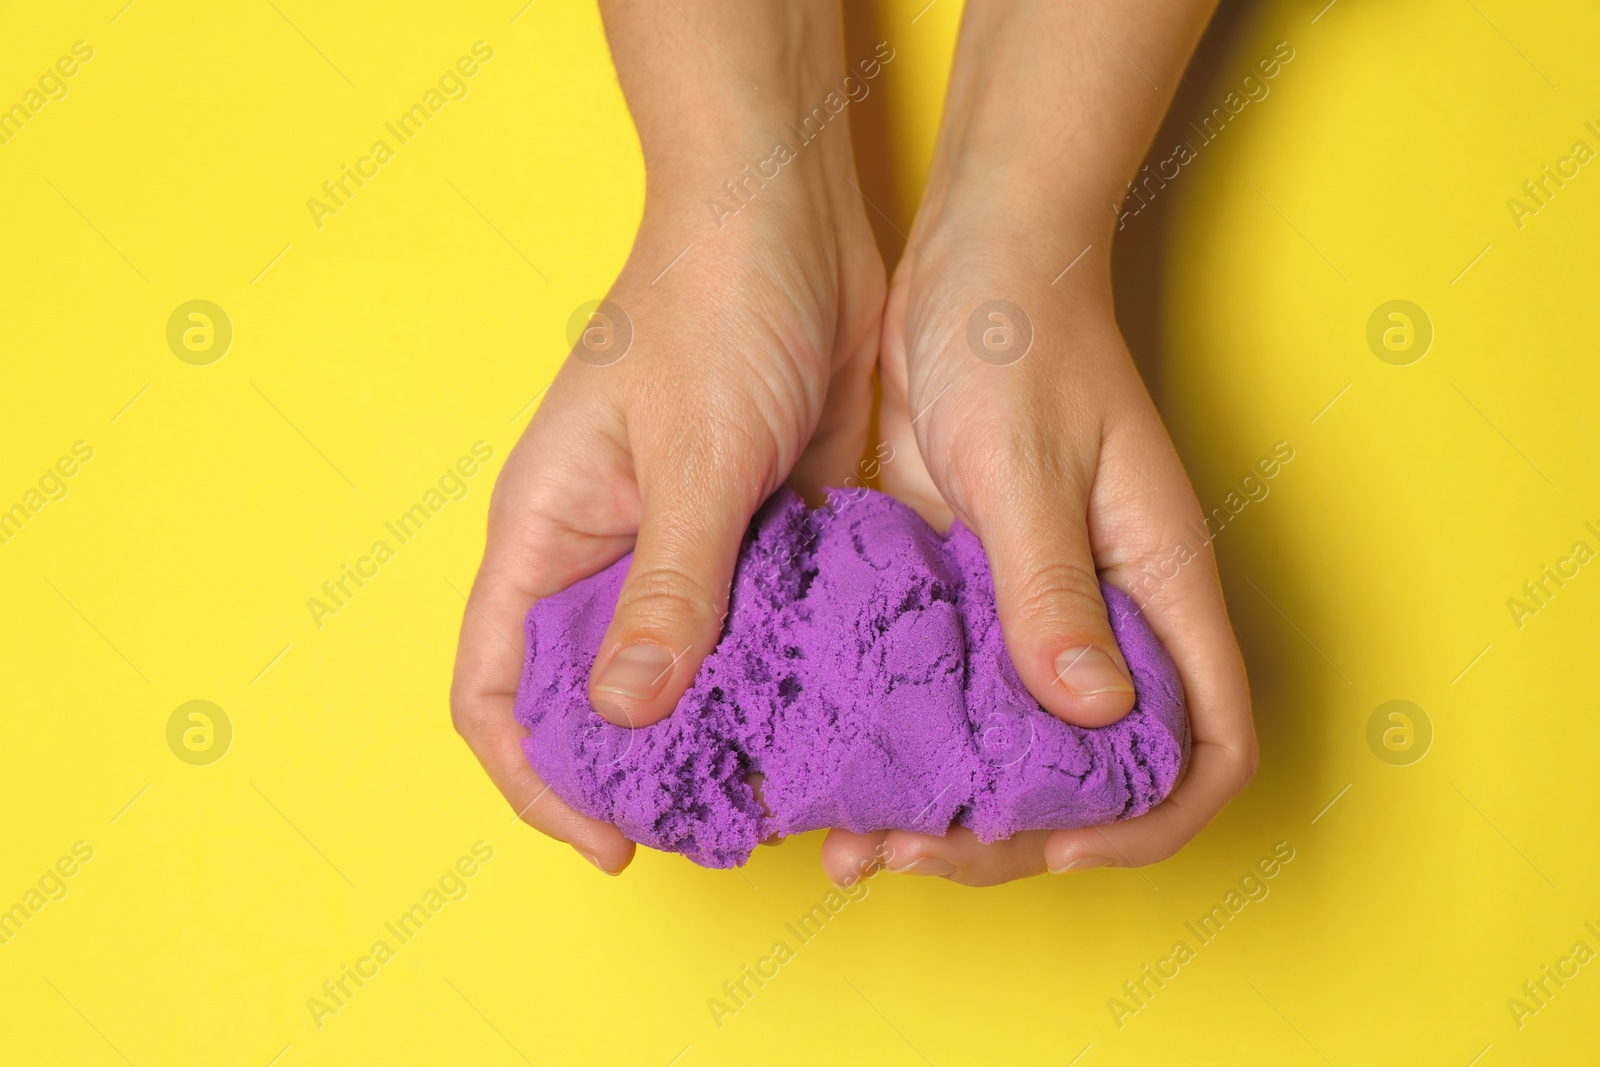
column 862, row 672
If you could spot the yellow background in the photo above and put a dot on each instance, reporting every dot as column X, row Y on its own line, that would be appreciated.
column 429, row 314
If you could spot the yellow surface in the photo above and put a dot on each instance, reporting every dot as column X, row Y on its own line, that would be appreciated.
column 427, row 315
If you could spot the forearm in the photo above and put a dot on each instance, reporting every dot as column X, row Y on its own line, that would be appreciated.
column 716, row 82
column 1053, row 103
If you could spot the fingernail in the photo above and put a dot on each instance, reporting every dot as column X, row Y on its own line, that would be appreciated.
column 1082, row 863
column 864, row 869
column 596, row 861
column 928, row 866
column 637, row 672
column 1087, row 671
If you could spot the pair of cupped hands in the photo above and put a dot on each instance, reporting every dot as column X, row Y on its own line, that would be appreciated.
column 1007, row 400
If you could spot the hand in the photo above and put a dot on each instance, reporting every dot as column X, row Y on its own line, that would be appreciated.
column 1037, row 432
column 1060, row 464
column 1028, row 421
column 750, row 363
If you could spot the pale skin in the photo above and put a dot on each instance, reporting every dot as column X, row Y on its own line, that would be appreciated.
column 751, row 365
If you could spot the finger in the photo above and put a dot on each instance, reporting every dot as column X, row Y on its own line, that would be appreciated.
column 959, row 856
column 488, row 668
column 694, row 508
column 1216, row 775
column 1187, row 612
column 1031, row 515
column 832, row 456
column 904, row 473
column 849, row 857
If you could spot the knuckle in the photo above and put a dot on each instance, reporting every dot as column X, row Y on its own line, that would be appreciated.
column 665, row 595
column 1174, row 829
column 458, row 713
column 527, row 817
column 471, row 701
column 993, row 465
column 1236, row 762
column 1247, row 759
column 1060, row 594
column 464, row 714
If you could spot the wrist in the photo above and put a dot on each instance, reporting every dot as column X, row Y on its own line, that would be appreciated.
column 714, row 83
column 1049, row 113
column 1006, row 175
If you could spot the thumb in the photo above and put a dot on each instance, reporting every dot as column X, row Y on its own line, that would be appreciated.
column 670, row 610
column 1051, row 611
